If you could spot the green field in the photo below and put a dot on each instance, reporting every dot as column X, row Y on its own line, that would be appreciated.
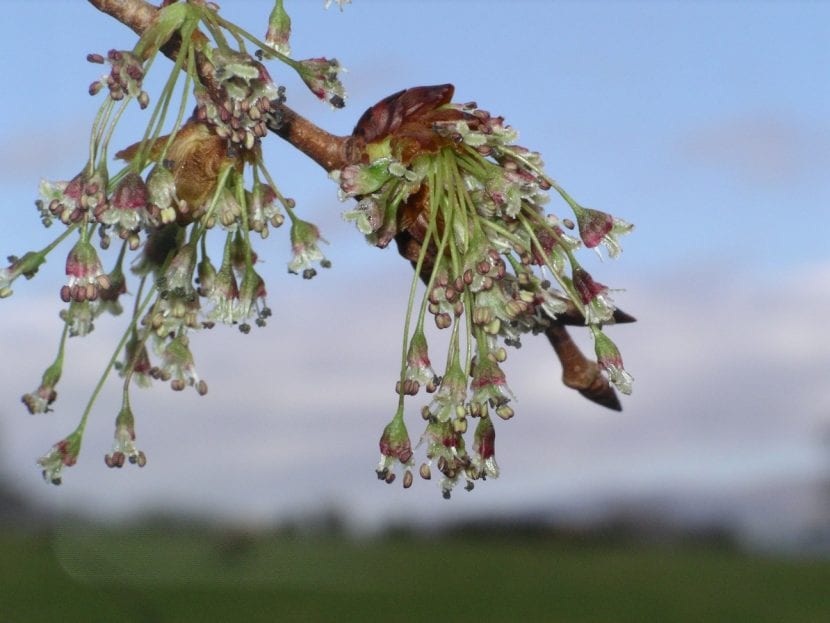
column 162, row 576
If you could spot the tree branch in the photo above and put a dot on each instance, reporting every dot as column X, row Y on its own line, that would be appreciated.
column 329, row 151
column 579, row 372
column 135, row 14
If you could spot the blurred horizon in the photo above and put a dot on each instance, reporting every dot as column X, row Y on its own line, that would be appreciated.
column 704, row 124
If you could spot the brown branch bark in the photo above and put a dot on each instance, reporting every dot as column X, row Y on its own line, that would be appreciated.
column 579, row 372
column 329, row 151
column 135, row 14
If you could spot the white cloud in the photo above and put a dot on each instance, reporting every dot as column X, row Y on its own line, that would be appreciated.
column 759, row 149
column 730, row 389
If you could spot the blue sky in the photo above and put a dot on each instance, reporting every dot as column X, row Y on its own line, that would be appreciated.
column 705, row 124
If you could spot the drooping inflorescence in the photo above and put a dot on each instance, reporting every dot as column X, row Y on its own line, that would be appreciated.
column 191, row 178
column 446, row 182
column 465, row 205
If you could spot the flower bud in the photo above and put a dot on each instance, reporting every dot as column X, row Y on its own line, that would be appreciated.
column 63, row 454
column 484, row 445
column 123, row 447
column 594, row 295
column 320, row 76
column 279, row 29
column 610, row 360
column 85, row 274
column 305, row 238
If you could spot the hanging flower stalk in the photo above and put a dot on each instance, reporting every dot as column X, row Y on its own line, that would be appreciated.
column 188, row 179
column 465, row 205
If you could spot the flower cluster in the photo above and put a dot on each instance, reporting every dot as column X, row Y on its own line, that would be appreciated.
column 202, row 186
column 125, row 78
column 446, row 182
column 247, row 94
column 465, row 205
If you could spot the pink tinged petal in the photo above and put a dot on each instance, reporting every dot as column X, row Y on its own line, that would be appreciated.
column 485, row 439
column 74, row 189
column 131, row 193
column 320, row 75
column 279, row 29
column 418, row 366
column 610, row 360
column 394, row 441
column 594, row 225
column 82, row 261
column 62, row 454
column 585, row 285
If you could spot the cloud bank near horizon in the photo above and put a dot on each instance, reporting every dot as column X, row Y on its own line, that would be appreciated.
column 730, row 392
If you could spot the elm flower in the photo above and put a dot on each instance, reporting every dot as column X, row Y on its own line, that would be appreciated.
column 224, row 293
column 177, row 305
column 252, row 297
column 247, row 82
column 593, row 225
column 108, row 297
column 554, row 245
column 94, row 196
column 27, row 266
column 610, row 360
column 178, row 364
column 86, row 278
column 610, row 241
column 137, row 362
column 70, row 201
column 40, row 400
column 496, row 300
column 363, row 179
column 228, row 210
column 489, row 384
column 79, row 316
column 305, row 248
column 599, row 307
column 161, row 194
column 445, row 447
column 418, row 367
column 484, row 450
column 63, row 454
column 125, row 78
column 225, row 298
column 320, row 76
column 279, row 29
column 62, row 199
column 237, row 110
column 206, row 277
column 263, row 209
column 127, row 210
column 552, row 302
column 597, row 227
column 367, row 216
column 395, row 448
column 504, row 193
column 123, row 447
column 448, row 402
